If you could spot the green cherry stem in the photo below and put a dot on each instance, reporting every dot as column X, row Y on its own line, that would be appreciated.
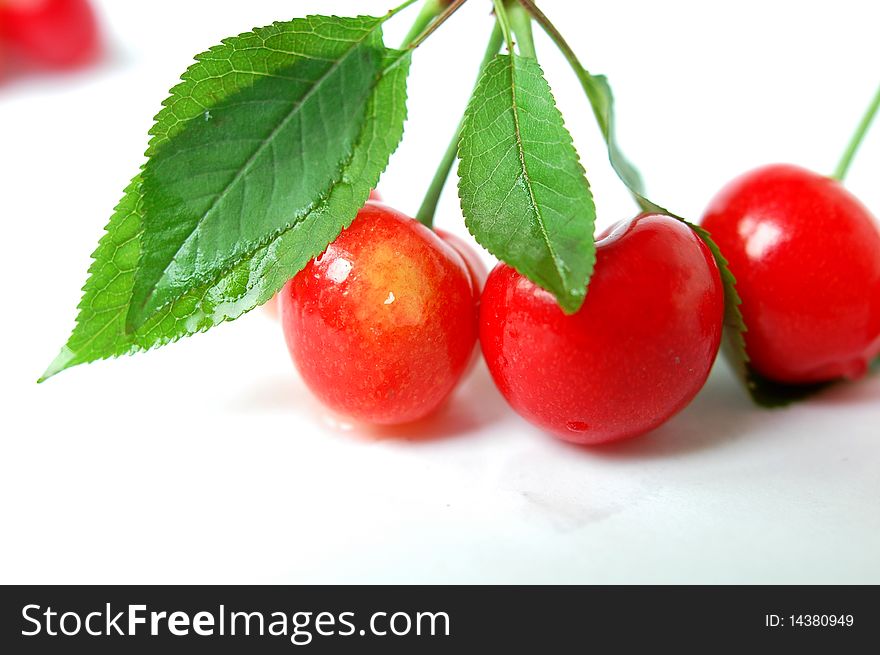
column 393, row 12
column 597, row 102
column 521, row 23
column 582, row 74
column 435, row 13
column 429, row 205
column 555, row 36
column 857, row 138
column 429, row 11
column 504, row 21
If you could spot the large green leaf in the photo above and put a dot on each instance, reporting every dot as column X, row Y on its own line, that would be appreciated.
column 100, row 331
column 523, row 191
column 253, row 138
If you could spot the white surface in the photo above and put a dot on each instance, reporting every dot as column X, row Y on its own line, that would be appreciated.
column 208, row 461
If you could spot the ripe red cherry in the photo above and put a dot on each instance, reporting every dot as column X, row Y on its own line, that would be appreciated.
column 806, row 256
column 475, row 266
column 382, row 325
column 54, row 33
column 637, row 352
column 272, row 307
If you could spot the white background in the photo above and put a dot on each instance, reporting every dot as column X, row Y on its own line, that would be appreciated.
column 208, row 461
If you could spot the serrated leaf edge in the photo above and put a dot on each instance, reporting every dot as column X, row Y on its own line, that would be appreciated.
column 66, row 355
column 137, row 319
column 590, row 262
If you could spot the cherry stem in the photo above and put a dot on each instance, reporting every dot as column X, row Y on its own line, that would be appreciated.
column 504, row 23
column 557, row 38
column 391, row 12
column 857, row 138
column 429, row 205
column 584, row 78
column 432, row 16
column 521, row 23
column 582, row 74
column 429, row 11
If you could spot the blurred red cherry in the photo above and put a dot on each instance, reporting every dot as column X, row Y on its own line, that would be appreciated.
column 50, row 33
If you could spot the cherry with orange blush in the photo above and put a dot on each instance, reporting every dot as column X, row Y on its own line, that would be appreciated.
column 382, row 325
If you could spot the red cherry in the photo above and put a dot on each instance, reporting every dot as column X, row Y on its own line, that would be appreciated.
column 637, row 352
column 477, row 273
column 382, row 325
column 55, row 33
column 806, row 256
column 272, row 308
column 475, row 266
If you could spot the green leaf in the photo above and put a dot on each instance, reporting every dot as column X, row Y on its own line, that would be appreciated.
column 100, row 331
column 523, row 191
column 763, row 391
column 100, row 325
column 257, row 133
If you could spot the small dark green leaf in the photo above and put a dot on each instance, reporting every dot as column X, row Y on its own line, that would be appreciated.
column 764, row 392
column 602, row 100
column 253, row 138
column 771, row 394
column 523, row 191
column 101, row 332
